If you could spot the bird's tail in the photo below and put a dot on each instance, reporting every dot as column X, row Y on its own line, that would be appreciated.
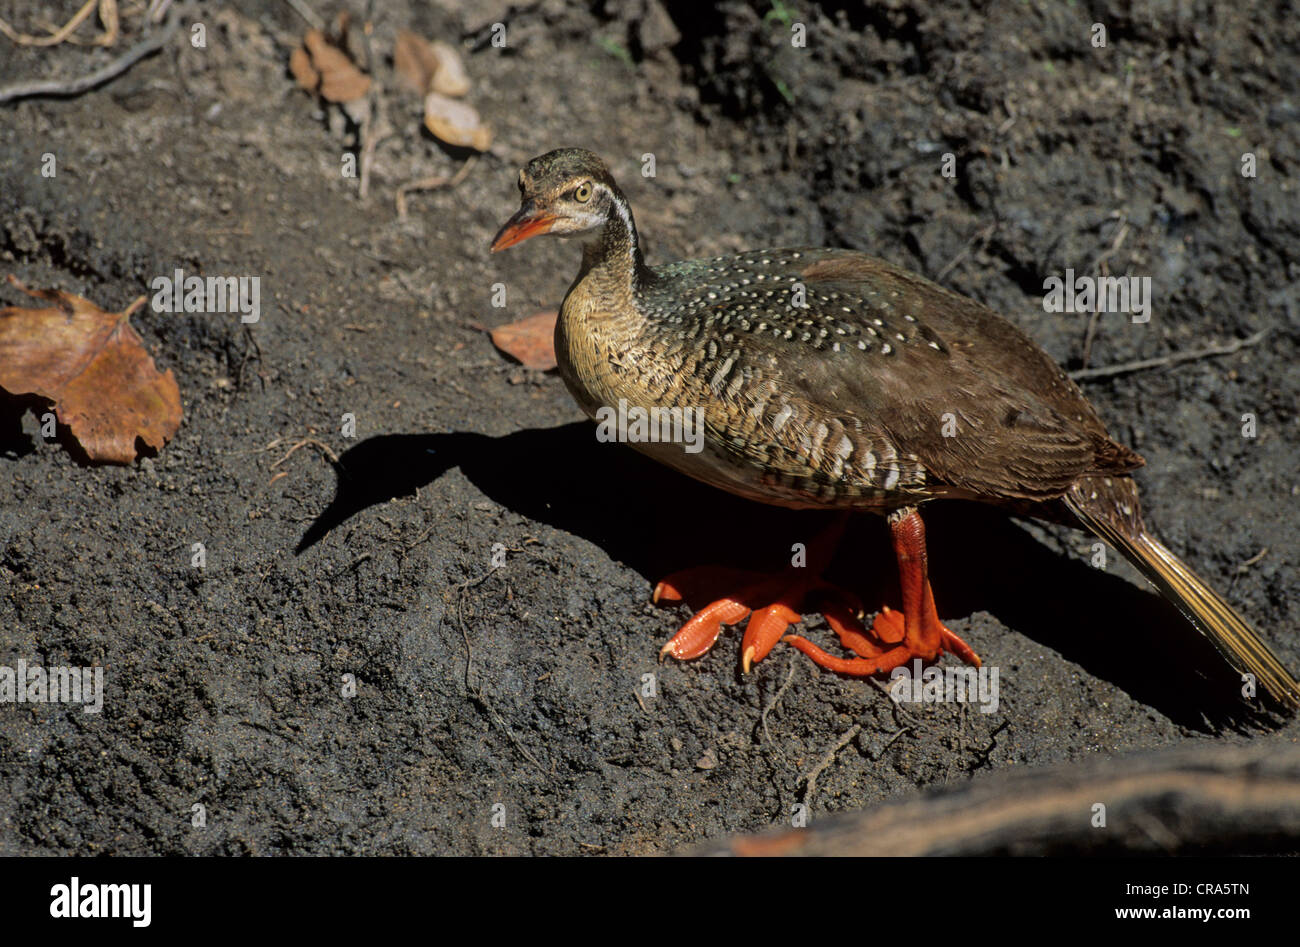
column 1109, row 507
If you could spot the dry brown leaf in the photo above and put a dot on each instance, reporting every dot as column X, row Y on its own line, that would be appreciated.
column 94, row 367
column 531, row 341
column 321, row 66
column 414, row 61
column 429, row 66
column 455, row 123
column 303, row 71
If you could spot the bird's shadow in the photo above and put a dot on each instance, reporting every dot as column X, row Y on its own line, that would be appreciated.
column 657, row 521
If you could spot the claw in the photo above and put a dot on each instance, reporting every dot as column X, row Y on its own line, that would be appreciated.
column 764, row 630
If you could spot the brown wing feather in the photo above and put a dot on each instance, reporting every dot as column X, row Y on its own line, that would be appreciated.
column 1022, row 427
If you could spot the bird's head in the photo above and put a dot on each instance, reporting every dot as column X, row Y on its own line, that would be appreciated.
column 564, row 192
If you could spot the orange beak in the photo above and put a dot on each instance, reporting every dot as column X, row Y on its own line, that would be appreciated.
column 526, row 223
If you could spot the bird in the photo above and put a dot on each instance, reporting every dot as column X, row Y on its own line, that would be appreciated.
column 827, row 379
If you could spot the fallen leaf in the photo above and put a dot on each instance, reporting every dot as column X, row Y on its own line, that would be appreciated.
column 414, row 61
column 304, row 73
column 320, row 66
column 455, row 123
column 450, row 78
column 93, row 365
column 531, row 341
column 429, row 66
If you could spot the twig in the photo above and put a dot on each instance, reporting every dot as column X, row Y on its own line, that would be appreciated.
column 475, row 694
column 776, row 699
column 896, row 707
column 1258, row 557
column 1088, row 335
column 69, row 87
column 981, row 237
column 256, row 352
column 890, row 742
column 157, row 10
column 810, row 778
column 307, row 13
column 352, row 565
column 1125, row 368
column 59, row 35
column 1102, row 258
column 432, row 183
column 324, row 448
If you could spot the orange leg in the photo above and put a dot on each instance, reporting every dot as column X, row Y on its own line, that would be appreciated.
column 915, row 633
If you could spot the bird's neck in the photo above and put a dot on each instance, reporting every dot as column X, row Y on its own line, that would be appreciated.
column 602, row 320
column 611, row 258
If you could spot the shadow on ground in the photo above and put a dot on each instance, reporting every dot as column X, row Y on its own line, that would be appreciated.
column 657, row 522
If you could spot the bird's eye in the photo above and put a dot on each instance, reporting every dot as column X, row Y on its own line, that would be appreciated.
column 582, row 193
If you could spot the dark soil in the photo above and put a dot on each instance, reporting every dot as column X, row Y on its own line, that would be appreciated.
column 517, row 691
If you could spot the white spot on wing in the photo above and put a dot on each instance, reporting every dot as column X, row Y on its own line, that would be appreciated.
column 782, row 416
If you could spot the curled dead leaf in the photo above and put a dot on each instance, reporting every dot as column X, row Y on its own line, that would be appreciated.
column 414, row 61
column 531, row 341
column 455, row 123
column 93, row 365
column 450, row 78
column 320, row 66
column 429, row 66
column 304, row 73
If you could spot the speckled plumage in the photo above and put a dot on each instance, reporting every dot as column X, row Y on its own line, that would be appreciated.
column 810, row 365
column 830, row 379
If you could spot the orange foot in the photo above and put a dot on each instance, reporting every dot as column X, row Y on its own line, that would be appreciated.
column 890, row 626
column 895, row 638
column 772, row 604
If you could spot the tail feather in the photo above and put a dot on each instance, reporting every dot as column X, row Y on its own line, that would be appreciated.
column 1109, row 507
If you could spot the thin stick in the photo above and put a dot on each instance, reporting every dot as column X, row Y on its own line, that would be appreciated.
column 307, row 13
column 776, row 700
column 157, row 9
column 308, row 441
column 1245, row 566
column 432, row 183
column 1125, row 368
column 70, row 87
column 55, row 38
column 476, row 695
column 810, row 778
column 981, row 237
column 1122, row 232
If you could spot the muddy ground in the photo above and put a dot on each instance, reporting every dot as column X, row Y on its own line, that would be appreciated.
column 517, row 691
